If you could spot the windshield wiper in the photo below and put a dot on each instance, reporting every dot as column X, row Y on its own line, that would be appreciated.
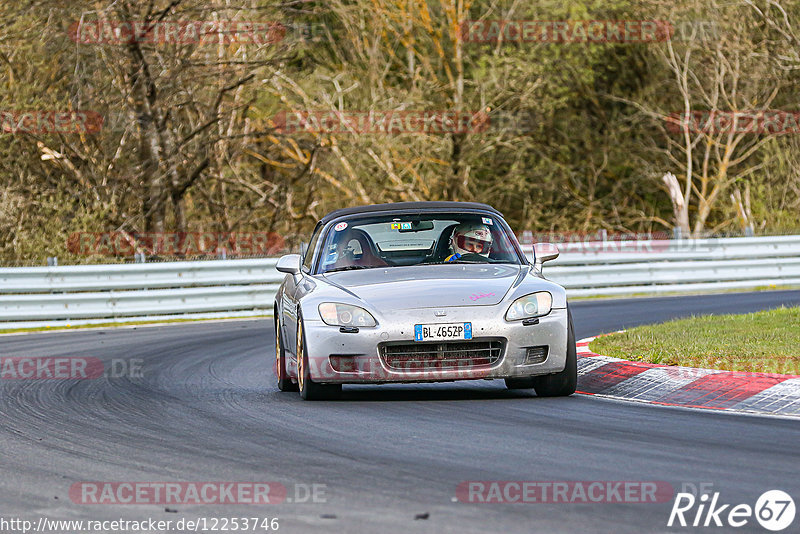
column 348, row 268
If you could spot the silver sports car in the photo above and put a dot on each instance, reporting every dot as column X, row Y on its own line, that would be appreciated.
column 420, row 292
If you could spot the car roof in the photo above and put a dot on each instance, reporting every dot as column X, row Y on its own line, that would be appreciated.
column 409, row 206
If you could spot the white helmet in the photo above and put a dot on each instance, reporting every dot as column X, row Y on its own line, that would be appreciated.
column 471, row 238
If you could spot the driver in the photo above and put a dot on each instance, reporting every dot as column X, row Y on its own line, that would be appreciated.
column 470, row 238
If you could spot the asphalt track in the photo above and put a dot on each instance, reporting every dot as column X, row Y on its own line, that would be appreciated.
column 206, row 409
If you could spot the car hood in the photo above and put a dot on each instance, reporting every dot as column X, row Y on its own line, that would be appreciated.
column 429, row 286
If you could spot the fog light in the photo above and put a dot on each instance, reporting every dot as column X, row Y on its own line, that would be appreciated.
column 536, row 354
column 343, row 363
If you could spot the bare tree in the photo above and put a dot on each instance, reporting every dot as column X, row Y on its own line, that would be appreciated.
column 720, row 82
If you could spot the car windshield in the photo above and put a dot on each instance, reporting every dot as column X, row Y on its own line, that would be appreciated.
column 419, row 239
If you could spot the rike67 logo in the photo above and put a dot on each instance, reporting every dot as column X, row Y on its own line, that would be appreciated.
column 774, row 510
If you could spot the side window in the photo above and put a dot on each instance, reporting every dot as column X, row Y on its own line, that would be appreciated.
column 307, row 261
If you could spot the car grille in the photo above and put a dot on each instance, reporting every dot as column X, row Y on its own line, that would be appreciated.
column 442, row 355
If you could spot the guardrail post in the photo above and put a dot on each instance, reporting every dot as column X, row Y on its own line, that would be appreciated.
column 52, row 261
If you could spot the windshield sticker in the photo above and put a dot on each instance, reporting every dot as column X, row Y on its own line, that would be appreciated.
column 341, row 226
column 487, row 220
column 401, row 226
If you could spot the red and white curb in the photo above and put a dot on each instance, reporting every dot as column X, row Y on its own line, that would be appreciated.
column 690, row 387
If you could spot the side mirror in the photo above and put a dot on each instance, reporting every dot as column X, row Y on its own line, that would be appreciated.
column 289, row 264
column 543, row 252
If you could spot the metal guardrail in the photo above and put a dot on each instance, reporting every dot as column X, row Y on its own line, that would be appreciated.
column 728, row 248
column 78, row 294
column 137, row 276
column 82, row 294
column 653, row 267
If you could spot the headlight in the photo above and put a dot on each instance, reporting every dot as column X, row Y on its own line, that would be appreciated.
column 345, row 315
column 533, row 305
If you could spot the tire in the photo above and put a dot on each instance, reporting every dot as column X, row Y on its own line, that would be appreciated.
column 310, row 390
column 520, row 383
column 284, row 382
column 564, row 383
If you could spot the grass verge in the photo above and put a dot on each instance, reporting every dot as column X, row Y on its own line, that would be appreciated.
column 760, row 342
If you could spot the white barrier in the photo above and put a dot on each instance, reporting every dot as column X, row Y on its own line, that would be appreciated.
column 82, row 294
column 39, row 296
column 652, row 267
column 727, row 248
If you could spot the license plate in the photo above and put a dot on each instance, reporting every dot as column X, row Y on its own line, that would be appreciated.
column 441, row 332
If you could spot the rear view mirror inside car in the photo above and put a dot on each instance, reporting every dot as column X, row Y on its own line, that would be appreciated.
column 418, row 226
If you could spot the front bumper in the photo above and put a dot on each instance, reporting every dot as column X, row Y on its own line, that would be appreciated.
column 324, row 341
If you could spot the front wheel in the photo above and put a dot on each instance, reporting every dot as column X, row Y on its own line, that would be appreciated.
column 284, row 382
column 564, row 383
column 310, row 390
column 520, row 383
column 560, row 384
